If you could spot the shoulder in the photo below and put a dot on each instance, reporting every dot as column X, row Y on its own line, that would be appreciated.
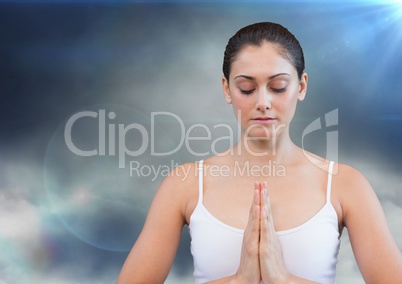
column 368, row 231
column 349, row 179
column 153, row 253
column 345, row 178
column 353, row 190
column 179, row 185
column 181, row 176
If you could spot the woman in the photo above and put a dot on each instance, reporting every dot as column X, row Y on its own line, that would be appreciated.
column 291, row 232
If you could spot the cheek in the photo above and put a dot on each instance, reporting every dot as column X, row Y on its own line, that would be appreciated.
column 286, row 104
column 241, row 106
column 241, row 102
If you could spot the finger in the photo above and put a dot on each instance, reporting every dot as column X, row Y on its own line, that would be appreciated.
column 249, row 271
column 253, row 225
column 270, row 253
column 264, row 220
column 257, row 207
column 264, row 198
column 266, row 212
column 254, row 203
column 257, row 190
column 266, row 228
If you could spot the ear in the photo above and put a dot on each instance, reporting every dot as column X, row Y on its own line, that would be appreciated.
column 226, row 92
column 303, row 87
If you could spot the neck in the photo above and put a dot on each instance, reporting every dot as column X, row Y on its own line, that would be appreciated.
column 280, row 149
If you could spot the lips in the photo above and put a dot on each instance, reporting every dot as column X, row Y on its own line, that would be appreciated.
column 264, row 118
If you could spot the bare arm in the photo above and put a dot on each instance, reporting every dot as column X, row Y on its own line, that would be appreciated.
column 375, row 250
column 152, row 255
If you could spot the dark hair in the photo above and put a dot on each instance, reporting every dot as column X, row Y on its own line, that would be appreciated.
column 258, row 33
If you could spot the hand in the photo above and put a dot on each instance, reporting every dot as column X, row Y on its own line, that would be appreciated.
column 261, row 255
column 272, row 267
column 249, row 268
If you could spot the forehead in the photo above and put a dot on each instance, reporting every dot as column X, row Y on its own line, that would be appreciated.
column 263, row 60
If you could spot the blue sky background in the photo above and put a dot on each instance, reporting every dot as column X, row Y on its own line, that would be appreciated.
column 71, row 219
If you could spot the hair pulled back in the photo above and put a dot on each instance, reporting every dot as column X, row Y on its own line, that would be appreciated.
column 256, row 34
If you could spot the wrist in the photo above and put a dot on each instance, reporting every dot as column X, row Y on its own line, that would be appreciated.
column 236, row 279
column 291, row 279
column 240, row 279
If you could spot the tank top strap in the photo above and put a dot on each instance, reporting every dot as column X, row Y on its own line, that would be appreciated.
column 329, row 180
column 200, row 180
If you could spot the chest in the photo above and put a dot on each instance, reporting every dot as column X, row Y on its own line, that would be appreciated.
column 294, row 198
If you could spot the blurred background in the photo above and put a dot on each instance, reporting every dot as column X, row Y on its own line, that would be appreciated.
column 66, row 218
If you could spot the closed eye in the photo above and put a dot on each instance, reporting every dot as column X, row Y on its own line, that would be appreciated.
column 279, row 90
column 246, row 92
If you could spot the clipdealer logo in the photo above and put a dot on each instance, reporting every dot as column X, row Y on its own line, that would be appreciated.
column 109, row 132
column 328, row 123
column 186, row 136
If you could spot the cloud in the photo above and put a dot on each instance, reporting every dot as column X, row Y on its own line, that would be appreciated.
column 20, row 231
column 67, row 227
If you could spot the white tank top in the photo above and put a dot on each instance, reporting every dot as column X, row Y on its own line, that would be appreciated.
column 309, row 251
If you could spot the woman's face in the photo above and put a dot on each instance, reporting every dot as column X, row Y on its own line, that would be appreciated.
column 264, row 89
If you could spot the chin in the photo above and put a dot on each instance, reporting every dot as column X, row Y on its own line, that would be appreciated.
column 262, row 133
column 266, row 132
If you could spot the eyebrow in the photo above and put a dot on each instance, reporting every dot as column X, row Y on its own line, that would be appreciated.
column 270, row 78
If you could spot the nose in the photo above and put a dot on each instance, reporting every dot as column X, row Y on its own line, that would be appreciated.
column 264, row 101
